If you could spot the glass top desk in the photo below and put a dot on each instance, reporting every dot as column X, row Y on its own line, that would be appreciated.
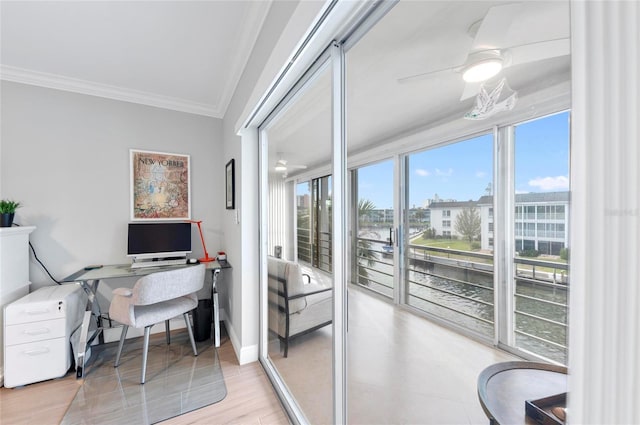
column 90, row 279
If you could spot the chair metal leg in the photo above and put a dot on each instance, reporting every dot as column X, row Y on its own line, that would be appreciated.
column 166, row 327
column 145, row 351
column 193, row 341
column 122, row 337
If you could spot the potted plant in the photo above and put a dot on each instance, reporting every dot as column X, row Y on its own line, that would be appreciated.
column 7, row 212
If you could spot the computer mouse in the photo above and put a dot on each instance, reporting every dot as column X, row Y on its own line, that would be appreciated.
column 193, row 261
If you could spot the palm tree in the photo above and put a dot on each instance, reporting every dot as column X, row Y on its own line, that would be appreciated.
column 364, row 251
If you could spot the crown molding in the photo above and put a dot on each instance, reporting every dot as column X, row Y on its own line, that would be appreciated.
column 255, row 17
column 59, row 82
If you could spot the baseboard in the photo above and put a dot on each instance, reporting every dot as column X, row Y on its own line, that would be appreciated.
column 244, row 354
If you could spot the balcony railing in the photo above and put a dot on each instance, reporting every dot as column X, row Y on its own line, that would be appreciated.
column 375, row 266
column 454, row 285
column 304, row 244
column 322, row 252
column 541, row 307
column 457, row 286
column 556, row 234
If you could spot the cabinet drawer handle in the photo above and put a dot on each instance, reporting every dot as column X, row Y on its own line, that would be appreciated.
column 36, row 351
column 36, row 331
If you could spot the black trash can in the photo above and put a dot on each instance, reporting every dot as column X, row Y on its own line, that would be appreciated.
column 202, row 320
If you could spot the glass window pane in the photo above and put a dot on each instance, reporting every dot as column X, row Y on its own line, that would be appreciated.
column 541, row 281
column 451, row 260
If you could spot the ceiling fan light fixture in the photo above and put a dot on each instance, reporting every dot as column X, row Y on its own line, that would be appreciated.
column 482, row 70
column 482, row 65
column 281, row 167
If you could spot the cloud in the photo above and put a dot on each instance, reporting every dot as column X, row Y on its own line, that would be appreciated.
column 480, row 174
column 550, row 183
column 423, row 173
column 446, row 173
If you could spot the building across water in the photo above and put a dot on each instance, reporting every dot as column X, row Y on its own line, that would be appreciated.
column 540, row 220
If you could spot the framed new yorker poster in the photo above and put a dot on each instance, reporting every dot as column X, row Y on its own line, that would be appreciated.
column 160, row 186
column 230, row 187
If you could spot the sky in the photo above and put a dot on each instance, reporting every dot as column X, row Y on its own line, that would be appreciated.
column 463, row 171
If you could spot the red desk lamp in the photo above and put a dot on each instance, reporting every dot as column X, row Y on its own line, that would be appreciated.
column 206, row 258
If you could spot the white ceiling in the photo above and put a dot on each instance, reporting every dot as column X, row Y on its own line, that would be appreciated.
column 182, row 55
column 418, row 37
column 189, row 56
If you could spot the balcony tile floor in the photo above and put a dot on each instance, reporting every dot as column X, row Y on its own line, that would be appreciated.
column 402, row 368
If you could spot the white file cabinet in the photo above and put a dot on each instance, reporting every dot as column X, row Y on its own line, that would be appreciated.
column 14, row 272
column 37, row 331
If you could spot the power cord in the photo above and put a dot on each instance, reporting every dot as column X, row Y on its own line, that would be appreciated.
column 42, row 265
column 40, row 262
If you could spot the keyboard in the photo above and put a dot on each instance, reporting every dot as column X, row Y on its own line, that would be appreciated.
column 160, row 263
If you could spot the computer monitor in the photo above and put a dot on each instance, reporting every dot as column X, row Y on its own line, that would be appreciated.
column 158, row 240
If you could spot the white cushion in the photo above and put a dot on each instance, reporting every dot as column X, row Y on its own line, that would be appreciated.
column 281, row 271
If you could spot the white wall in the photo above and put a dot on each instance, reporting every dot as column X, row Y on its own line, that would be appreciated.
column 65, row 156
column 284, row 31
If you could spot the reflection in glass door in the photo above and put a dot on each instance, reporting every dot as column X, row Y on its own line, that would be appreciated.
column 303, row 217
column 374, row 245
column 321, row 224
column 299, row 234
column 403, row 102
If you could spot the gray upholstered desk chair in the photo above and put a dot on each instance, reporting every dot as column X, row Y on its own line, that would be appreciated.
column 155, row 298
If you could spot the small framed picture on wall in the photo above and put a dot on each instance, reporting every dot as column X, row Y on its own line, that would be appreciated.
column 230, row 179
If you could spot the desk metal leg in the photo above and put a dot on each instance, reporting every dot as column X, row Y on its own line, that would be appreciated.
column 216, row 311
column 86, row 335
column 216, row 320
column 82, row 344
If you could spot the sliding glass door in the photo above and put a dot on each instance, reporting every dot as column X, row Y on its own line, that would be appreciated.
column 298, row 239
column 455, row 213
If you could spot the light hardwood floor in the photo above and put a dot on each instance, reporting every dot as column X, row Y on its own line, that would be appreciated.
column 402, row 369
column 250, row 398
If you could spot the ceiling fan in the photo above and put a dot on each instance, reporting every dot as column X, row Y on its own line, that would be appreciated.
column 284, row 167
column 509, row 35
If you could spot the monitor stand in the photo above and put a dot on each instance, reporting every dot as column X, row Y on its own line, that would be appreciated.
column 157, row 262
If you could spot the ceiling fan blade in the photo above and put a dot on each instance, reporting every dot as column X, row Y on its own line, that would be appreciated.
column 424, row 75
column 470, row 90
column 494, row 28
column 297, row 167
column 521, row 24
column 538, row 51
